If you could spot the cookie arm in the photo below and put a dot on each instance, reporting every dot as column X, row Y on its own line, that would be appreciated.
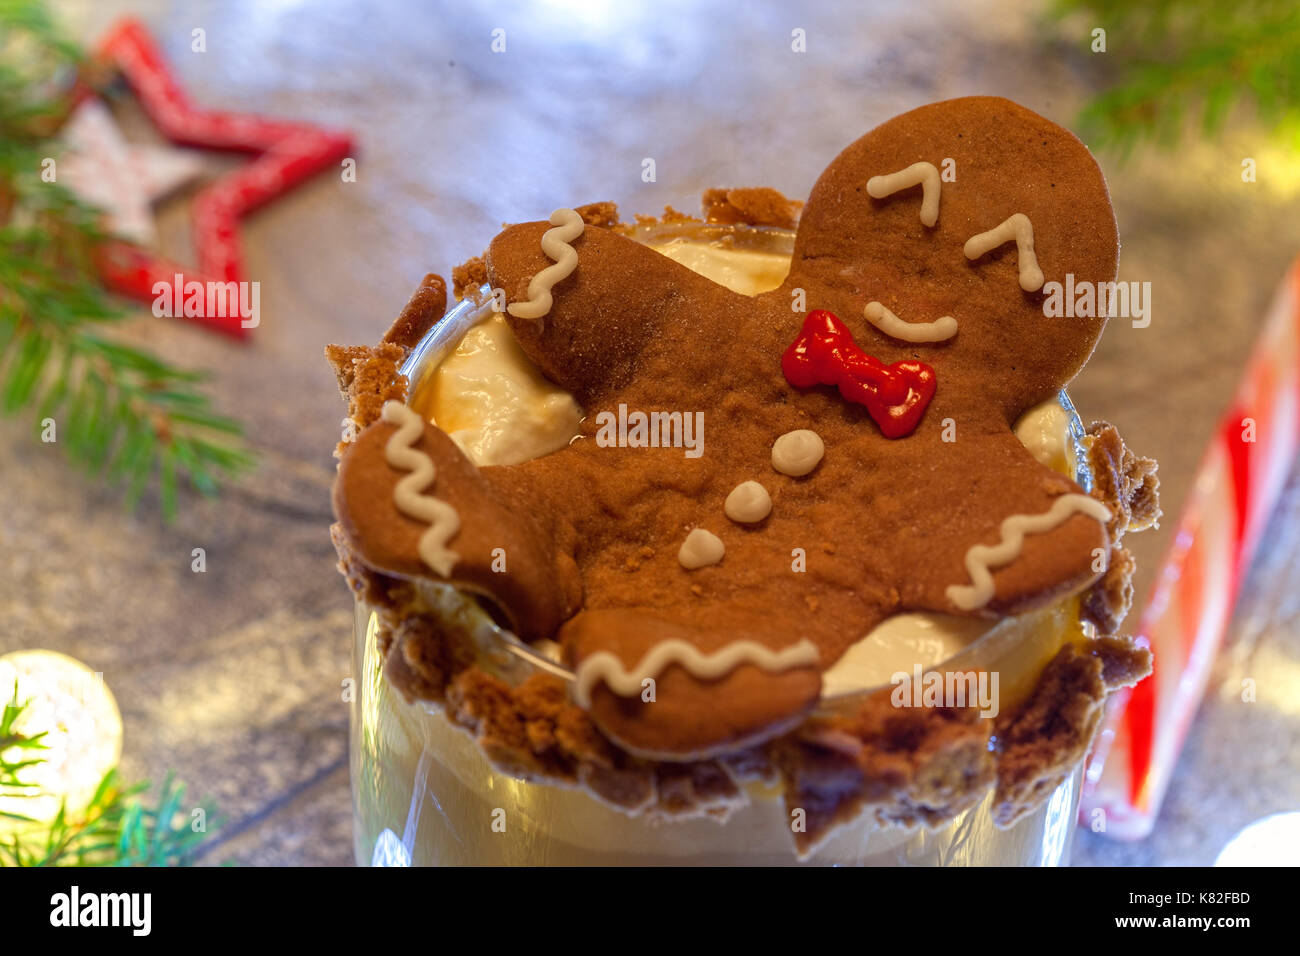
column 996, row 532
column 502, row 547
column 1046, row 539
column 614, row 316
column 1044, row 565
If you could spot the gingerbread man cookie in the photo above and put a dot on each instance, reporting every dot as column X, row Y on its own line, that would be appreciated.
column 920, row 497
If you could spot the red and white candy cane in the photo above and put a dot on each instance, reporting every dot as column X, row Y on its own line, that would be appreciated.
column 1236, row 486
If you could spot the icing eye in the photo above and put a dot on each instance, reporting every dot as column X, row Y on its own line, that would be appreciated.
column 924, row 174
column 1019, row 228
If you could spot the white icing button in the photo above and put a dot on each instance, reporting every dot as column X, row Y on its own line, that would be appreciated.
column 700, row 549
column 796, row 453
column 748, row 502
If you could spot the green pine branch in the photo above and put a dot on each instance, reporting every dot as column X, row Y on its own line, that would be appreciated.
column 118, row 412
column 21, row 747
column 113, row 829
column 1183, row 64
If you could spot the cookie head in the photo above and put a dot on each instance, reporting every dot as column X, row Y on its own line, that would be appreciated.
column 996, row 166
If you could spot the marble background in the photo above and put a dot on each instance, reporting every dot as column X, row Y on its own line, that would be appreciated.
column 232, row 677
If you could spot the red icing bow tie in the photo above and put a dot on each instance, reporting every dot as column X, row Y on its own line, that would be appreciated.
column 824, row 353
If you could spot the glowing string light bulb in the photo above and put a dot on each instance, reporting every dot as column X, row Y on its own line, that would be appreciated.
column 68, row 701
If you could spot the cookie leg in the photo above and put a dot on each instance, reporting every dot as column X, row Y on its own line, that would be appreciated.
column 690, row 685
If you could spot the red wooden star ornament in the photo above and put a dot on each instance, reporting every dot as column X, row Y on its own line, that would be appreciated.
column 286, row 154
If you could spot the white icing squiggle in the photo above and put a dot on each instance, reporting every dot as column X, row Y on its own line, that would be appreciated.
column 939, row 330
column 1019, row 228
column 555, row 243
column 926, row 174
column 605, row 666
column 981, row 557
column 409, row 494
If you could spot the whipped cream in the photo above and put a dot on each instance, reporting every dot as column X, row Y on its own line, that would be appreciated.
column 1045, row 431
column 898, row 643
column 499, row 408
column 496, row 404
column 746, row 271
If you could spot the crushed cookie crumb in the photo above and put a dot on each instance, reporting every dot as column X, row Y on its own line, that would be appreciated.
column 468, row 277
column 425, row 307
column 1130, row 487
column 602, row 214
column 367, row 377
column 761, row 206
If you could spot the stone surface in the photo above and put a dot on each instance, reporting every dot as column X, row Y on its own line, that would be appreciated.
column 233, row 677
